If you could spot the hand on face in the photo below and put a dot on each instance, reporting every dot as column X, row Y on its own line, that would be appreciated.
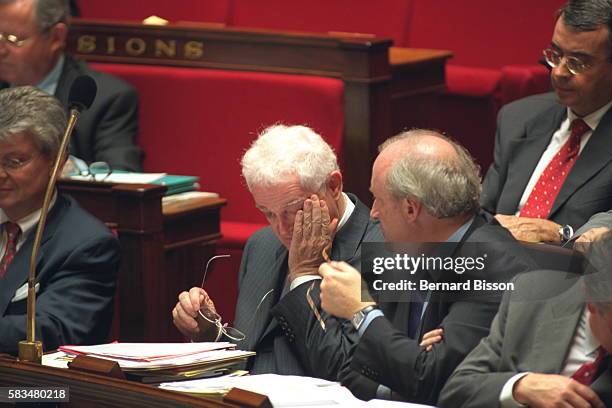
column 530, row 229
column 312, row 232
column 341, row 289
column 551, row 390
column 186, row 310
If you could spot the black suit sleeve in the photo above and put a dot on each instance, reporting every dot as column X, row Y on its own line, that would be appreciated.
column 323, row 353
column 387, row 356
column 74, row 304
column 495, row 177
column 116, row 130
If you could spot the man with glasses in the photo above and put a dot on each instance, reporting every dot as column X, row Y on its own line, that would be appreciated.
column 295, row 181
column 553, row 154
column 79, row 257
column 32, row 42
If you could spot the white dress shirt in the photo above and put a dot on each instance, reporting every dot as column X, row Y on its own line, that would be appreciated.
column 557, row 141
column 583, row 349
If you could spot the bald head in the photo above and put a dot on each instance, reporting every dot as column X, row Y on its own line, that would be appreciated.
column 431, row 168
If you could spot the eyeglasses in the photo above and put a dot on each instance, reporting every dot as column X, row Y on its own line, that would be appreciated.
column 13, row 40
column 12, row 164
column 98, row 171
column 574, row 65
column 209, row 321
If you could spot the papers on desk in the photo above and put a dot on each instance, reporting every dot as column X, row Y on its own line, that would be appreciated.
column 181, row 359
column 283, row 391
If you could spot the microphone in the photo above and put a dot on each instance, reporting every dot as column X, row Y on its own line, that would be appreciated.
column 82, row 93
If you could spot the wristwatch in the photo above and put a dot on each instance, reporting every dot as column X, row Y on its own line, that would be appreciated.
column 566, row 233
column 359, row 317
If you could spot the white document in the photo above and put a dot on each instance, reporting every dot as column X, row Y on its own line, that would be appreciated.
column 146, row 351
column 126, row 178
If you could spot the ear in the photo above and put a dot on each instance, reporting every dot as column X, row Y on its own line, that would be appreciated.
column 410, row 209
column 58, row 34
column 334, row 184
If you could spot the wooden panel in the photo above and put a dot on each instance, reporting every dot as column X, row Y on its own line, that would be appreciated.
column 162, row 250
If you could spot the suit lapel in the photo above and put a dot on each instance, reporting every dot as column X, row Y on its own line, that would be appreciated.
column 555, row 333
column 348, row 240
column 17, row 273
column 259, row 322
column 596, row 154
column 526, row 154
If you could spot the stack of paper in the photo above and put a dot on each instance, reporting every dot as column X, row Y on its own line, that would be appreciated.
column 168, row 360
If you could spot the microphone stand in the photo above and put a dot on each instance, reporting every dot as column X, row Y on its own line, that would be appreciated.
column 31, row 349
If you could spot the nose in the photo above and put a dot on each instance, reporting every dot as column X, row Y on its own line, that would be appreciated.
column 561, row 71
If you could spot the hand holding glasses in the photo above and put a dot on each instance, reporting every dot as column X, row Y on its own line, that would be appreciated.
column 209, row 321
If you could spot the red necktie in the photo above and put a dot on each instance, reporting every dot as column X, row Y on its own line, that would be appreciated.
column 12, row 236
column 544, row 193
column 586, row 373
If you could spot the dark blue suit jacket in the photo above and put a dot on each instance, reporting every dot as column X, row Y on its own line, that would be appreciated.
column 77, row 269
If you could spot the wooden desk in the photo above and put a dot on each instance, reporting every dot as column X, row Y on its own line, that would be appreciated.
column 163, row 250
column 385, row 88
column 89, row 390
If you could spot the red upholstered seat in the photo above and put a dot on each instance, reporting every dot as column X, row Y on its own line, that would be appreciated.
column 200, row 121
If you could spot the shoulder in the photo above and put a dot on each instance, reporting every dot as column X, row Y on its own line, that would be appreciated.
column 262, row 240
column 108, row 85
column 529, row 107
column 76, row 224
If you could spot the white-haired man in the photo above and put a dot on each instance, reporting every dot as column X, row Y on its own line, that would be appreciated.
column 294, row 178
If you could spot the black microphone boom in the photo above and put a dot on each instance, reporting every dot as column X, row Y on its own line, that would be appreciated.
column 82, row 93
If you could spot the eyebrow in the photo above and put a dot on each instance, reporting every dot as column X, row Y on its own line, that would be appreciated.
column 582, row 54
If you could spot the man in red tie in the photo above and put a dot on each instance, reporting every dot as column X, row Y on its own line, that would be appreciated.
column 553, row 154
column 548, row 345
column 79, row 257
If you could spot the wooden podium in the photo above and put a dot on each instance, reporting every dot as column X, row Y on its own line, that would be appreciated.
column 91, row 390
column 163, row 250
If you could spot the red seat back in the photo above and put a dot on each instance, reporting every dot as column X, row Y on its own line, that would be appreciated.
column 199, row 121
column 484, row 33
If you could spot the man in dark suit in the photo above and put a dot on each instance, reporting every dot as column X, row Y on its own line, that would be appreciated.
column 426, row 189
column 295, row 181
column 553, row 157
column 79, row 257
column 548, row 345
column 32, row 47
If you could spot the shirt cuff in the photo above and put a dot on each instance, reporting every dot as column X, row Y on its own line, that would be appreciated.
column 303, row 279
column 506, row 399
column 368, row 319
column 383, row 392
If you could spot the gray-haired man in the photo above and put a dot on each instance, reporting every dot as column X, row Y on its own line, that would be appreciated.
column 32, row 42
column 79, row 257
